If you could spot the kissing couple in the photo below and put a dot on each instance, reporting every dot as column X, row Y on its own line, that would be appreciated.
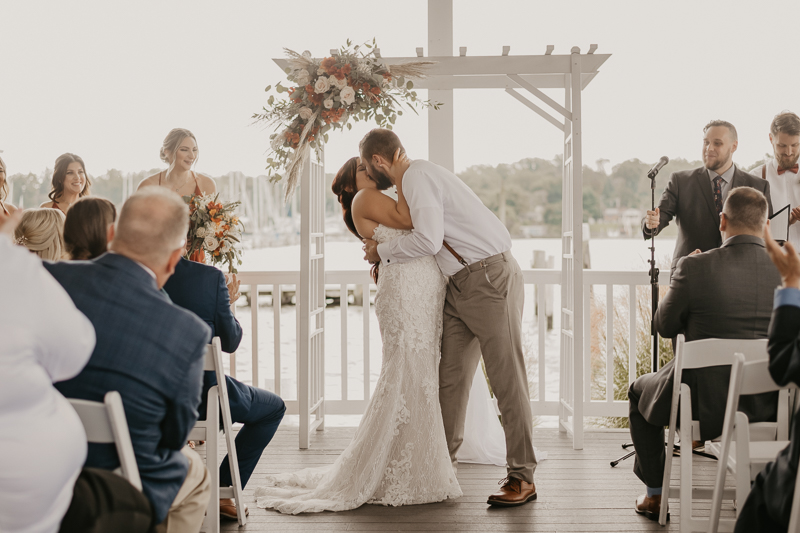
column 449, row 291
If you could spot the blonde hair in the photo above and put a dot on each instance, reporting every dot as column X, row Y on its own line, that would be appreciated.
column 4, row 186
column 42, row 232
column 171, row 143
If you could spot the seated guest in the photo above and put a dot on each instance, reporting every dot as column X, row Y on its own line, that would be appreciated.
column 70, row 182
column 42, row 232
column 148, row 349
column 86, row 227
column 45, row 339
column 259, row 410
column 723, row 293
column 769, row 505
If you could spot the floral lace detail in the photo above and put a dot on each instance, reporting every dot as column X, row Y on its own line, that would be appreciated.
column 398, row 455
column 398, row 477
column 401, row 416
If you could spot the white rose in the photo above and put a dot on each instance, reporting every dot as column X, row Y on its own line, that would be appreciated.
column 226, row 247
column 338, row 83
column 328, row 103
column 200, row 232
column 210, row 243
column 348, row 95
column 302, row 77
column 322, row 85
column 305, row 113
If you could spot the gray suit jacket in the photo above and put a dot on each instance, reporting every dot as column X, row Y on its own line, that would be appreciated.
column 724, row 293
column 689, row 199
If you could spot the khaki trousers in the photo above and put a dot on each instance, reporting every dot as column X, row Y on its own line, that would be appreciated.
column 483, row 315
column 189, row 507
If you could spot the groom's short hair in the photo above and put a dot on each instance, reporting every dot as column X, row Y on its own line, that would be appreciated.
column 380, row 142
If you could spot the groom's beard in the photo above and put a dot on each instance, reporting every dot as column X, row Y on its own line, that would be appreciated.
column 380, row 178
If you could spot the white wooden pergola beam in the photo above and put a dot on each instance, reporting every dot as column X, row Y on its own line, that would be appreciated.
column 497, row 65
column 541, row 96
column 541, row 81
column 536, row 109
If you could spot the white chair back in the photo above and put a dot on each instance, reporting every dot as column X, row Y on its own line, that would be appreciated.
column 692, row 355
column 105, row 423
column 208, row 430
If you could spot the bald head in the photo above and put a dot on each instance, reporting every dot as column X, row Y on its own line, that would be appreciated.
column 151, row 226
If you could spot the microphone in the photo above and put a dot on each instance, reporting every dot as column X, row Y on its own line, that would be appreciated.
column 658, row 166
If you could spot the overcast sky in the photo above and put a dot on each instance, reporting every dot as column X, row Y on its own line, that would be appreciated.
column 107, row 80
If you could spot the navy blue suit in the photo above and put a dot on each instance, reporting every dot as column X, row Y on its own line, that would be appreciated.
column 149, row 350
column 201, row 289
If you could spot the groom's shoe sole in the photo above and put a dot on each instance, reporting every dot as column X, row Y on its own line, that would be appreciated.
column 497, row 503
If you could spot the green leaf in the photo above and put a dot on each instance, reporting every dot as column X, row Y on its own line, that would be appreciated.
column 268, row 88
column 350, row 126
column 410, row 85
column 388, row 126
column 271, row 99
column 325, row 137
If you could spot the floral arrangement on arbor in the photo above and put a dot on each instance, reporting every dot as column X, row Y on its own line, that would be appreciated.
column 353, row 84
column 215, row 232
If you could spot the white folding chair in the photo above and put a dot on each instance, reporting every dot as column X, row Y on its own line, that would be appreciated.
column 694, row 355
column 208, row 430
column 105, row 423
column 745, row 457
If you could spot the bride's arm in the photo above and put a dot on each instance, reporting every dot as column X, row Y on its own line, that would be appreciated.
column 371, row 205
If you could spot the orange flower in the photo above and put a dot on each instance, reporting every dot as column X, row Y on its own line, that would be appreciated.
column 309, row 89
column 376, row 90
column 328, row 63
column 346, row 69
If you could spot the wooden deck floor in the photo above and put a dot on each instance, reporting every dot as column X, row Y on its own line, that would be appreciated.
column 577, row 491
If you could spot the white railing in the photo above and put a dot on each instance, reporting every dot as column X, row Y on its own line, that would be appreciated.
column 598, row 286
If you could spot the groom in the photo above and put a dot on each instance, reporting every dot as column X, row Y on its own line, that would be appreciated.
column 483, row 306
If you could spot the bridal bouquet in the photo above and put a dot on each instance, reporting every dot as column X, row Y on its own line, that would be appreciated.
column 215, row 232
column 326, row 94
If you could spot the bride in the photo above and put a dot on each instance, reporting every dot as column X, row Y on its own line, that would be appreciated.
column 398, row 455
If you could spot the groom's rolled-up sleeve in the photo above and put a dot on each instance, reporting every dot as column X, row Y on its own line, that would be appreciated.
column 426, row 205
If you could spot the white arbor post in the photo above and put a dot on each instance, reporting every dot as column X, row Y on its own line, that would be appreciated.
column 440, row 122
column 311, row 302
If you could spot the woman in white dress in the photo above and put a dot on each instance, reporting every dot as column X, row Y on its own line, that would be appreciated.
column 398, row 455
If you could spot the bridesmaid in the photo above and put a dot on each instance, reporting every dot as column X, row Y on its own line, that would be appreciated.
column 5, row 208
column 70, row 182
column 180, row 152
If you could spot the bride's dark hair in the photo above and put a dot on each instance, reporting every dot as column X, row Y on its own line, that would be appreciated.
column 345, row 189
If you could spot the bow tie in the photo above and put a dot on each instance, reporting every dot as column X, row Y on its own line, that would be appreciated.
column 793, row 169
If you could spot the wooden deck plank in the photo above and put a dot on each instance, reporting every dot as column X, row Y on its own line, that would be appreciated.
column 578, row 492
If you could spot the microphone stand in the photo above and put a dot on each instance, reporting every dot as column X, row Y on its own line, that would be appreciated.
column 654, row 272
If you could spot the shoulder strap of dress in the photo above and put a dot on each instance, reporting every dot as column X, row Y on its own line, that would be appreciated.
column 159, row 177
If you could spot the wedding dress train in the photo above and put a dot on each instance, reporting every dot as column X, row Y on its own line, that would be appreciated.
column 484, row 441
column 398, row 455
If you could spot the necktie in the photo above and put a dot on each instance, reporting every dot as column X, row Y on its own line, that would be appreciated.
column 718, row 194
column 793, row 169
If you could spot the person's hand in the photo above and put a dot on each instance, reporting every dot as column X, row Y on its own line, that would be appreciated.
column 394, row 171
column 696, row 252
column 233, row 286
column 653, row 218
column 371, row 251
column 8, row 223
column 794, row 216
column 786, row 260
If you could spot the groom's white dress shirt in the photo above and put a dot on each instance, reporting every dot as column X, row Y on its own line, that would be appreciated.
column 783, row 189
column 43, row 339
column 444, row 208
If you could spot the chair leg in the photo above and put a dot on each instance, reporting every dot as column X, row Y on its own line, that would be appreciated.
column 212, row 458
column 686, row 460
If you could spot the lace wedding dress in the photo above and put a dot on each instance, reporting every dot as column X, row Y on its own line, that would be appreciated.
column 398, row 455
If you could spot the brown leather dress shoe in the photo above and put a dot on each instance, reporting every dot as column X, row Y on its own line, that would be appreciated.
column 513, row 492
column 649, row 506
column 227, row 508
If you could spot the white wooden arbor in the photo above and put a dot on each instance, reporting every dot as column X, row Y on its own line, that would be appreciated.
column 531, row 73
